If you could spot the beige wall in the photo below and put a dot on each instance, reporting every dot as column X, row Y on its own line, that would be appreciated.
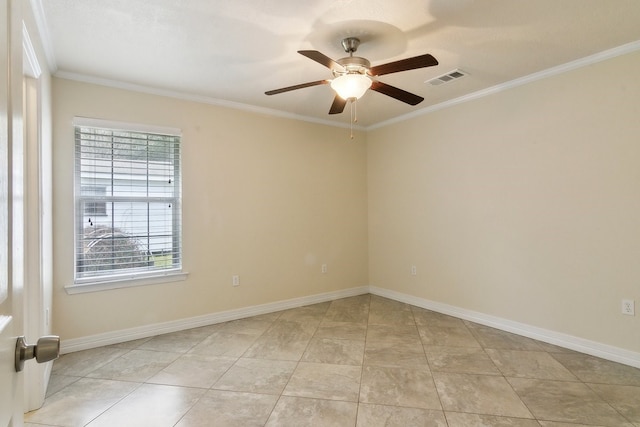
column 523, row 205
column 269, row 199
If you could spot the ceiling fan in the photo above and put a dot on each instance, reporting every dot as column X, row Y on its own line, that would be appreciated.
column 354, row 75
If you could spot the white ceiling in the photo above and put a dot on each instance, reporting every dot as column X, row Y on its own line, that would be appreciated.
column 235, row 50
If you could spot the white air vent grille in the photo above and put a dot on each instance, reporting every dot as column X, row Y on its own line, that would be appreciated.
column 446, row 78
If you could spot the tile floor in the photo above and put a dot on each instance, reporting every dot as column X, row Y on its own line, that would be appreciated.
column 360, row 361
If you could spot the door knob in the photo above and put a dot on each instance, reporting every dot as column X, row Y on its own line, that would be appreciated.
column 47, row 348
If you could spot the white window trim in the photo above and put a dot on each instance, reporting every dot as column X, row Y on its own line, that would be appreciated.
column 133, row 127
column 126, row 281
column 94, row 284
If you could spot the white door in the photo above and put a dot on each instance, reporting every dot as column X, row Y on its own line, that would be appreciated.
column 38, row 291
column 11, row 211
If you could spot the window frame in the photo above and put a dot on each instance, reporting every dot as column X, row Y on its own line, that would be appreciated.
column 114, row 279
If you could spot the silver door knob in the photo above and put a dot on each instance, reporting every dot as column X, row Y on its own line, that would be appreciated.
column 47, row 348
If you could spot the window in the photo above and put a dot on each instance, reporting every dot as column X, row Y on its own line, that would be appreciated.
column 127, row 201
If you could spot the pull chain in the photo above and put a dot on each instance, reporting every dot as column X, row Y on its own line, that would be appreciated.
column 354, row 114
column 351, row 121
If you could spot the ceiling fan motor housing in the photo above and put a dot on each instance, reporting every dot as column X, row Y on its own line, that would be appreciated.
column 352, row 65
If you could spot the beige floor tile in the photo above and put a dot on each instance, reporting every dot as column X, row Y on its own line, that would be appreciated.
column 288, row 349
column 284, row 340
column 557, row 424
column 354, row 310
column 310, row 314
column 425, row 317
column 224, row 344
column 298, row 411
column 529, row 364
column 251, row 325
column 398, row 387
column 624, row 399
column 595, row 370
column 136, row 365
column 479, row 394
column 80, row 402
column 130, row 344
column 551, row 348
column 178, row 342
column 325, row 381
column 462, row 360
column 494, row 338
column 395, row 358
column 379, row 303
column 230, row 409
column 391, row 317
column 341, row 330
column 150, row 405
column 80, row 363
column 193, row 370
column 257, row 376
column 457, row 419
column 392, row 332
column 395, row 416
column 396, row 352
column 447, row 336
column 58, row 382
column 293, row 327
column 565, row 402
column 335, row 351
column 383, row 311
column 363, row 360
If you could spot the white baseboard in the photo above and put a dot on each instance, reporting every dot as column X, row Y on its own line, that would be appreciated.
column 581, row 345
column 120, row 336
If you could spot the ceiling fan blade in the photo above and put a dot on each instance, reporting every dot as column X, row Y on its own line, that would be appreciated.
column 404, row 65
column 300, row 86
column 399, row 94
column 338, row 105
column 322, row 59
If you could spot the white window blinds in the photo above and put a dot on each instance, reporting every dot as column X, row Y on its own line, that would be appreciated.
column 127, row 201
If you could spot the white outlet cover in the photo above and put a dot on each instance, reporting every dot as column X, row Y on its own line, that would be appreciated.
column 628, row 307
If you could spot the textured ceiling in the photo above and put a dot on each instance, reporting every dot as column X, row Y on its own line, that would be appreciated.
column 235, row 50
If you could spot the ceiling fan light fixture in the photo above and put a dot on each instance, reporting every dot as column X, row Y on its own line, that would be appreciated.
column 350, row 86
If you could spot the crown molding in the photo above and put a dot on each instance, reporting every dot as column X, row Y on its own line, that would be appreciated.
column 45, row 35
column 198, row 98
column 550, row 72
column 31, row 66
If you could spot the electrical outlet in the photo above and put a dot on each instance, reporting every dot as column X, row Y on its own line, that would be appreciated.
column 235, row 280
column 628, row 307
column 323, row 269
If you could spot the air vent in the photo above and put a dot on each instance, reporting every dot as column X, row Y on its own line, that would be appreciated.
column 446, row 78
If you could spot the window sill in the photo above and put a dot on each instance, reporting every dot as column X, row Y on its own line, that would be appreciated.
column 104, row 285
